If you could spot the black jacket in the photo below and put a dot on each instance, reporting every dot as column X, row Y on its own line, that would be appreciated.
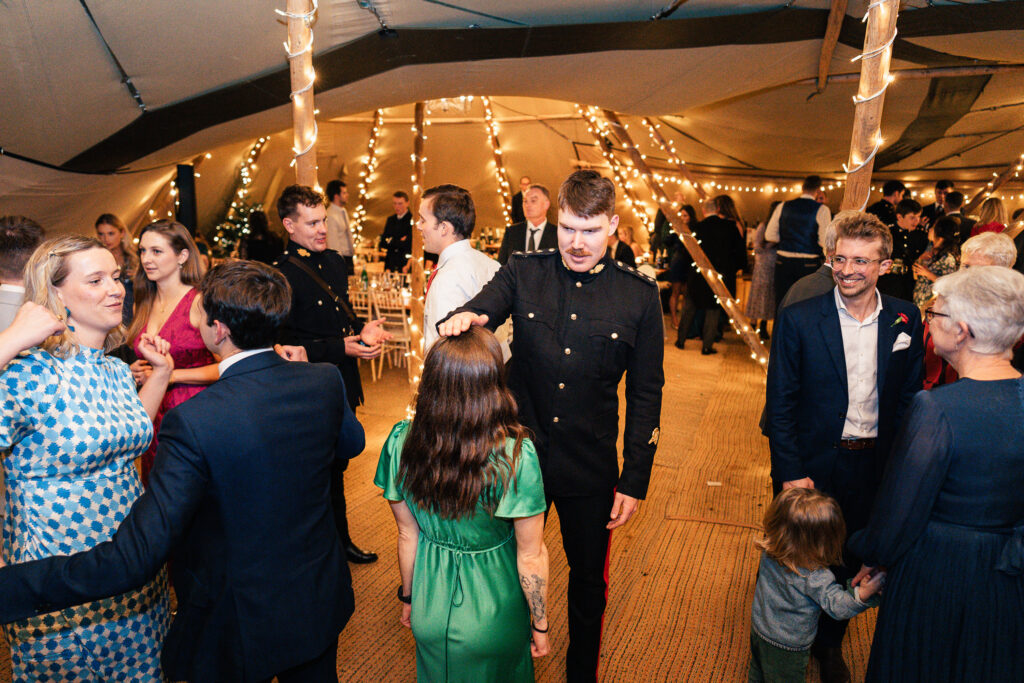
column 514, row 240
column 239, row 494
column 397, row 241
column 725, row 248
column 574, row 335
column 315, row 321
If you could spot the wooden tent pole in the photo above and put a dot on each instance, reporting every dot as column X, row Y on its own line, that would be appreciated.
column 300, row 61
column 874, row 79
column 675, row 160
column 1012, row 171
column 416, row 284
column 714, row 279
column 828, row 46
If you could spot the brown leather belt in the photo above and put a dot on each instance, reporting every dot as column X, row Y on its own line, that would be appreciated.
column 856, row 444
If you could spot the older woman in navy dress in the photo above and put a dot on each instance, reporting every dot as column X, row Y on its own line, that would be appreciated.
column 74, row 424
column 948, row 522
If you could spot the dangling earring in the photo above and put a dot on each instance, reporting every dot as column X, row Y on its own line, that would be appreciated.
column 67, row 318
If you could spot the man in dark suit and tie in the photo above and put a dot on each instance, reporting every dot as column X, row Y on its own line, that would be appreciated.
column 843, row 368
column 534, row 233
column 517, row 200
column 240, row 496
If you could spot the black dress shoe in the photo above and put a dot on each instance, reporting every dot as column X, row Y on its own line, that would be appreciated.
column 680, row 344
column 831, row 666
column 357, row 556
column 707, row 352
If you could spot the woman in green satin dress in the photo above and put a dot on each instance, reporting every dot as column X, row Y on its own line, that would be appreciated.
column 465, row 487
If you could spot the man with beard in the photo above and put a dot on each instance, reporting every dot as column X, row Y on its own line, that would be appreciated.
column 843, row 368
column 581, row 320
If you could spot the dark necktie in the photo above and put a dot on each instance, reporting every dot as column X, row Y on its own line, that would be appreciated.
column 531, row 244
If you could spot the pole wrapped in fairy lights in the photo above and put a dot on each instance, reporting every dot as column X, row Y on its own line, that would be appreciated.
column 417, row 282
column 875, row 79
column 299, row 48
column 700, row 260
column 598, row 129
column 504, row 187
column 367, row 175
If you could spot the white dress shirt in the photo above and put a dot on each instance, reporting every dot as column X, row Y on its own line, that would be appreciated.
column 823, row 218
column 11, row 298
column 339, row 237
column 860, row 347
column 540, row 227
column 462, row 271
column 241, row 355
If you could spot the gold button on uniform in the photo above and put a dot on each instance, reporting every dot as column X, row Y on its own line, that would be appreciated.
column 568, row 351
column 561, row 385
column 572, row 317
column 319, row 302
column 615, row 335
column 529, row 315
column 579, row 284
column 555, row 420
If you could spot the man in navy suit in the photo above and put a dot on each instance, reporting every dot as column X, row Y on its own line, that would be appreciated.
column 843, row 368
column 240, row 496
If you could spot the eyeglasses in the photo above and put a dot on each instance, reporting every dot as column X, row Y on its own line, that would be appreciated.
column 858, row 263
column 930, row 314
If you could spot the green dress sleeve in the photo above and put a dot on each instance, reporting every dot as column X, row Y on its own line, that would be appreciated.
column 525, row 496
column 387, row 467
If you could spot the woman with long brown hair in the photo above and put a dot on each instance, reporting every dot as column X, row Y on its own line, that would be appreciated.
column 113, row 234
column 465, row 488
column 167, row 304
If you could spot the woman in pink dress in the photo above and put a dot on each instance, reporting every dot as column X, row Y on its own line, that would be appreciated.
column 167, row 303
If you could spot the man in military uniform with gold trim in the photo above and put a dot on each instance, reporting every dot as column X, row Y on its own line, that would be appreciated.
column 581, row 320
column 322, row 319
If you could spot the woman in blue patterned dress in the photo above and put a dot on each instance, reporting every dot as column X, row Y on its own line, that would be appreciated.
column 74, row 424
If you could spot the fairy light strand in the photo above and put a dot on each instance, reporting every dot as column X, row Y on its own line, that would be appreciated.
column 367, row 175
column 293, row 54
column 504, row 187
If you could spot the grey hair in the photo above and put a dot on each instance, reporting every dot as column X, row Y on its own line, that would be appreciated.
column 990, row 300
column 995, row 247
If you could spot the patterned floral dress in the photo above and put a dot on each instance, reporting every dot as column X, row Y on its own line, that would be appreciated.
column 943, row 265
column 74, row 428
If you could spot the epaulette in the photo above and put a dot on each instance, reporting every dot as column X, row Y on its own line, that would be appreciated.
column 635, row 273
column 541, row 252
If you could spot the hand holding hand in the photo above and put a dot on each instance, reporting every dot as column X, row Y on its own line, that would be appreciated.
column 873, row 584
column 805, row 483
column 141, row 370
column 623, row 508
column 355, row 349
column 459, row 323
column 157, row 352
column 292, row 353
column 865, row 571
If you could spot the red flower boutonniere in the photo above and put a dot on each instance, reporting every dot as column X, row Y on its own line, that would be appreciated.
column 901, row 319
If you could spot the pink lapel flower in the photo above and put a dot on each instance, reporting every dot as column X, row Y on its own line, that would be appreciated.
column 901, row 319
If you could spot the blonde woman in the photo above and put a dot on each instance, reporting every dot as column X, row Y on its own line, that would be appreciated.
column 166, row 304
column 74, row 424
column 991, row 217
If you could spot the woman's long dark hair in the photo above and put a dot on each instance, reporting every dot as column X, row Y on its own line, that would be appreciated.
column 455, row 453
column 948, row 230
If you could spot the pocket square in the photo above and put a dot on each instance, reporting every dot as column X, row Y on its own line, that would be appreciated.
column 902, row 342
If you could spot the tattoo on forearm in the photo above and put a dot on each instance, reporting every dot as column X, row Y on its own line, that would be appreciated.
column 533, row 588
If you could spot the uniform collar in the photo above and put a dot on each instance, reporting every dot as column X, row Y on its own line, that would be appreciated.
column 588, row 276
column 295, row 249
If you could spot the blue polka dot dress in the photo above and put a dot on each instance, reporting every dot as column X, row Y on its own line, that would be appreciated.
column 74, row 428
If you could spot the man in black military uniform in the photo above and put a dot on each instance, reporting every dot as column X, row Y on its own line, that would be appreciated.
column 321, row 317
column 885, row 208
column 580, row 320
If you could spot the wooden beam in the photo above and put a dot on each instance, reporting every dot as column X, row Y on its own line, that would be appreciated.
column 874, row 78
column 302, row 74
column 828, row 46
column 1012, row 171
column 714, row 279
column 416, row 282
column 679, row 164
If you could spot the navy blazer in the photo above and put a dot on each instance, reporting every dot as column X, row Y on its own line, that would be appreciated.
column 807, row 395
column 239, row 494
column 514, row 240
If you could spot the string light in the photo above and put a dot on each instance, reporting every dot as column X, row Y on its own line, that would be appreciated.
column 504, row 187
column 367, row 175
column 599, row 129
column 236, row 223
column 292, row 54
